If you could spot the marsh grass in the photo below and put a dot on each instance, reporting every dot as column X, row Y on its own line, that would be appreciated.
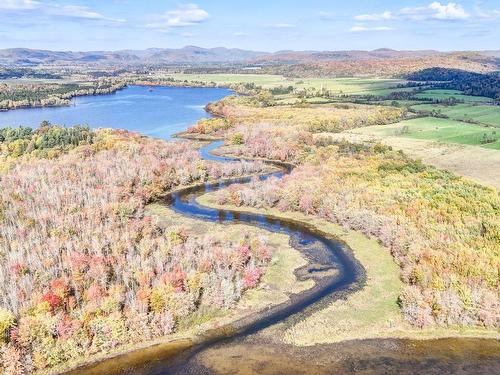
column 371, row 312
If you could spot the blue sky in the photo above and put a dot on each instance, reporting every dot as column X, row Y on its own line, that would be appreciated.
column 269, row 25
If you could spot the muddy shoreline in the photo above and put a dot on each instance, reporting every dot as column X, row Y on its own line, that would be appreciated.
column 247, row 346
column 256, row 321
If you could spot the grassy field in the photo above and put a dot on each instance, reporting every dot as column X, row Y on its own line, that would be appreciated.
column 485, row 114
column 479, row 164
column 440, row 130
column 353, row 86
column 446, row 94
column 264, row 80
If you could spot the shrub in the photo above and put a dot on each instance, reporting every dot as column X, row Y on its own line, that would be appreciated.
column 442, row 230
column 85, row 269
column 7, row 320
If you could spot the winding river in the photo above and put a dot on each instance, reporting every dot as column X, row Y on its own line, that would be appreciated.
column 250, row 345
column 244, row 347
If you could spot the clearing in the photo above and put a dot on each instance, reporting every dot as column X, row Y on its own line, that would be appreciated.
column 484, row 114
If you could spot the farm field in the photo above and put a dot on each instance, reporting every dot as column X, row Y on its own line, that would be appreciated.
column 264, row 80
column 446, row 94
column 437, row 129
column 352, row 86
column 485, row 114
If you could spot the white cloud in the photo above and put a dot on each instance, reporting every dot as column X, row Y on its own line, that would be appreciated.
column 77, row 11
column 186, row 15
column 437, row 11
column 362, row 28
column 375, row 17
column 55, row 10
column 18, row 4
column 240, row 34
column 486, row 14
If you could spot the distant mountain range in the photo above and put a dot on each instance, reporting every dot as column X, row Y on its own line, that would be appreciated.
column 191, row 55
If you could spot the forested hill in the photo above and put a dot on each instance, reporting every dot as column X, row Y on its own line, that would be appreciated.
column 470, row 83
column 380, row 61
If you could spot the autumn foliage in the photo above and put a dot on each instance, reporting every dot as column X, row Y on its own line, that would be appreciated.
column 312, row 118
column 84, row 269
column 443, row 231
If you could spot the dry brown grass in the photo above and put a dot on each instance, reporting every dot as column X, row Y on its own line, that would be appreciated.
column 473, row 162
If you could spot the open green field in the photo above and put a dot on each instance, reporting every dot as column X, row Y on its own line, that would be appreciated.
column 264, row 80
column 446, row 94
column 352, row 86
column 440, row 130
column 485, row 114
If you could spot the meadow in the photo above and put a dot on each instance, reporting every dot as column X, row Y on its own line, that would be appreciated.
column 484, row 114
column 440, row 130
column 438, row 94
column 348, row 86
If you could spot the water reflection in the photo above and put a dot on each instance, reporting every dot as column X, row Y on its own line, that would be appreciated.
column 237, row 350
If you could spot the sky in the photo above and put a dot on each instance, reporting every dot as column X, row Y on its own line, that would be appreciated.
column 261, row 25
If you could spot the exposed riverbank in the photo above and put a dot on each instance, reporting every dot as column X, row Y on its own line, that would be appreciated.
column 369, row 313
column 280, row 280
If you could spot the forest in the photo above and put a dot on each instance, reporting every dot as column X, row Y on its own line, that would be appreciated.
column 84, row 268
column 18, row 72
column 470, row 83
column 15, row 142
column 444, row 242
column 51, row 94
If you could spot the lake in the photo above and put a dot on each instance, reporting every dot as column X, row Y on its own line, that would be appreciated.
column 154, row 111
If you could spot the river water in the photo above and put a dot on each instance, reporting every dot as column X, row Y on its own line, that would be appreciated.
column 156, row 111
column 250, row 346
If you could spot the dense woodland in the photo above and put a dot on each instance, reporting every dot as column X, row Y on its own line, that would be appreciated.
column 470, row 83
column 9, row 73
column 395, row 66
column 51, row 94
column 45, row 141
column 84, row 269
column 444, row 242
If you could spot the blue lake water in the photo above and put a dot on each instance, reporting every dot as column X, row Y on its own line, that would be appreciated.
column 157, row 111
